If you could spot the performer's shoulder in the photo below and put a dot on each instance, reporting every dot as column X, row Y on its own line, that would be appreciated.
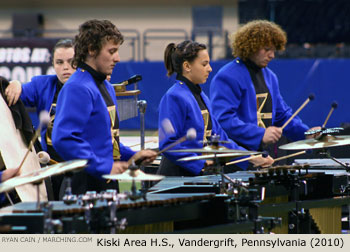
column 44, row 78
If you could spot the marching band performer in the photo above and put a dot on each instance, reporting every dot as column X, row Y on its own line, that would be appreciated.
column 245, row 92
column 186, row 106
column 87, row 124
column 42, row 92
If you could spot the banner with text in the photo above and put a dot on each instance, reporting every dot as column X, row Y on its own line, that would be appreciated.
column 21, row 59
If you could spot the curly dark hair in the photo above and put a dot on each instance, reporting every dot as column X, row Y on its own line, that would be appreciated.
column 92, row 36
column 176, row 55
column 255, row 35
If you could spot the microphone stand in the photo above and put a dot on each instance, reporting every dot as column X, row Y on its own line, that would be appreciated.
column 142, row 105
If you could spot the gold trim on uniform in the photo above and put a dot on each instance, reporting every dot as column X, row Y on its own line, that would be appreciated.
column 260, row 103
column 48, row 134
column 207, row 133
column 114, row 132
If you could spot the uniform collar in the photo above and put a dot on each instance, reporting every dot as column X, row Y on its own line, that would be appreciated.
column 195, row 89
column 98, row 76
column 251, row 65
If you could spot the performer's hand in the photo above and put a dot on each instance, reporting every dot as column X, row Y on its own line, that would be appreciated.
column 272, row 135
column 9, row 173
column 145, row 156
column 119, row 167
column 208, row 163
column 13, row 91
column 313, row 135
column 262, row 162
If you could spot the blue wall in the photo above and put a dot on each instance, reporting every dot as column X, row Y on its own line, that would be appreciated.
column 328, row 79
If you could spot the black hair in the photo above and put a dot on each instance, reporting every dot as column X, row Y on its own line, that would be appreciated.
column 176, row 55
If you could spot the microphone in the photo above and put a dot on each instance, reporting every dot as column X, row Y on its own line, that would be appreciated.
column 334, row 106
column 121, row 85
column 44, row 118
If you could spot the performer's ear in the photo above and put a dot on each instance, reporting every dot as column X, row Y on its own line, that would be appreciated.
column 186, row 68
column 92, row 52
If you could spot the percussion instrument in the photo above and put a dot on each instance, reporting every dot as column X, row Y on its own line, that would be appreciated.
column 325, row 164
column 325, row 141
column 156, row 214
column 324, row 131
column 216, row 150
column 127, row 99
column 213, row 156
column 127, row 104
column 41, row 174
column 131, row 175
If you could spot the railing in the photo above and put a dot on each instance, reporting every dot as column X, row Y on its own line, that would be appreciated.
column 154, row 41
column 210, row 33
column 162, row 34
column 131, row 36
column 138, row 51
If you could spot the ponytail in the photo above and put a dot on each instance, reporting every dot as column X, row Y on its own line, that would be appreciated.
column 169, row 51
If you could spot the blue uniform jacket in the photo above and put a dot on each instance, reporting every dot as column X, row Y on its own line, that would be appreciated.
column 39, row 93
column 82, row 127
column 181, row 108
column 233, row 99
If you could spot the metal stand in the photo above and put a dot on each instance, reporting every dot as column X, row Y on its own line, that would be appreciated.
column 142, row 105
column 113, row 201
column 68, row 197
column 37, row 184
column 135, row 194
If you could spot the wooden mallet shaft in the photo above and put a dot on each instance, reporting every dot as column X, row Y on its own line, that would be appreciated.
column 243, row 159
column 290, row 155
column 334, row 106
column 36, row 135
column 178, row 141
column 310, row 98
column 44, row 119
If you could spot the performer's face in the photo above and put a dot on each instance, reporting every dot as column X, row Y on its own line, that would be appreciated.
column 198, row 70
column 62, row 59
column 263, row 57
column 105, row 61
